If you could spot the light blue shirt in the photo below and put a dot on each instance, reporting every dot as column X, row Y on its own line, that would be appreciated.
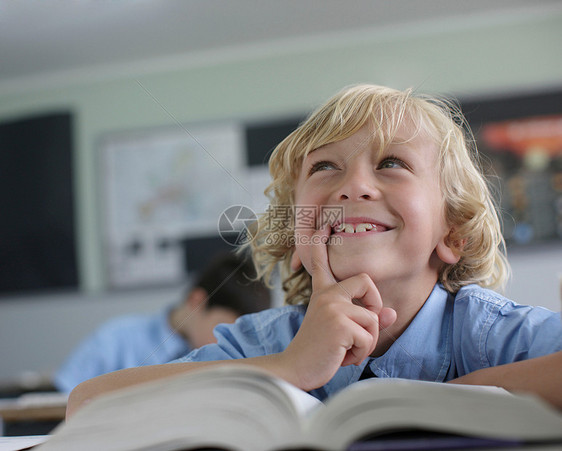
column 449, row 337
column 123, row 342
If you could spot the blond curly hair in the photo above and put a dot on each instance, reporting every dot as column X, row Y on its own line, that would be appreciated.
column 468, row 205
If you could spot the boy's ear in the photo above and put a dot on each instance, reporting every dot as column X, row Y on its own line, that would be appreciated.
column 296, row 262
column 197, row 297
column 449, row 249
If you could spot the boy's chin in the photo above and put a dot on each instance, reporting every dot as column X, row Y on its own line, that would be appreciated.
column 346, row 266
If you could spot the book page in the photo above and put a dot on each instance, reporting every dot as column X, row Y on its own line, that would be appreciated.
column 20, row 443
column 385, row 405
column 305, row 404
column 228, row 407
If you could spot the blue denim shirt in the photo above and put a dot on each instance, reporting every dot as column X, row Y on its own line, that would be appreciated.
column 450, row 336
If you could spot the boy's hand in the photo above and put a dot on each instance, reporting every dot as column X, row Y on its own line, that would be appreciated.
column 342, row 323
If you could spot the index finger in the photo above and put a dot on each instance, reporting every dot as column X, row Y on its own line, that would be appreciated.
column 320, row 267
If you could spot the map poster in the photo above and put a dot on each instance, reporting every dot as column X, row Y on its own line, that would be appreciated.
column 160, row 186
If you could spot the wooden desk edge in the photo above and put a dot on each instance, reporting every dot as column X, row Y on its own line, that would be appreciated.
column 35, row 413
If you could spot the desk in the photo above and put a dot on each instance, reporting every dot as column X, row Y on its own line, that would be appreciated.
column 32, row 414
column 44, row 413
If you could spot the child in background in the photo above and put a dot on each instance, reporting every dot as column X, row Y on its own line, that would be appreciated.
column 391, row 273
column 221, row 292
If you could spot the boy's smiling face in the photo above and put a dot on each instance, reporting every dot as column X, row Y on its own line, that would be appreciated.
column 394, row 228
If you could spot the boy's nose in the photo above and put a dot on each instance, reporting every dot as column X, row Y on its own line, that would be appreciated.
column 359, row 184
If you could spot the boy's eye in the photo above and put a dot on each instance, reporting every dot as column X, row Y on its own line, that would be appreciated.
column 392, row 162
column 322, row 166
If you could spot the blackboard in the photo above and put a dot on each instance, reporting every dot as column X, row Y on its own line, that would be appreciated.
column 37, row 232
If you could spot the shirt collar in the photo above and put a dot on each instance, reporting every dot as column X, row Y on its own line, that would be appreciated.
column 422, row 352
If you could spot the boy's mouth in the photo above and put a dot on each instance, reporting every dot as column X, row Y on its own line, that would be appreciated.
column 358, row 227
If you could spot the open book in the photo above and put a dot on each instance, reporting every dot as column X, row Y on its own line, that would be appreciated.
column 238, row 407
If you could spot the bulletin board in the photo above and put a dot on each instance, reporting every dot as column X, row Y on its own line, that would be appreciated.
column 520, row 137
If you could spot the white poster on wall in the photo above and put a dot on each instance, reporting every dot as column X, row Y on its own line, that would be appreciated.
column 163, row 185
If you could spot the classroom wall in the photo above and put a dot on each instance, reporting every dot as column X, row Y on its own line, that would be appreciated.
column 463, row 57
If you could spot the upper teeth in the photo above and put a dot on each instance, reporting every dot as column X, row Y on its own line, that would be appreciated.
column 354, row 228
